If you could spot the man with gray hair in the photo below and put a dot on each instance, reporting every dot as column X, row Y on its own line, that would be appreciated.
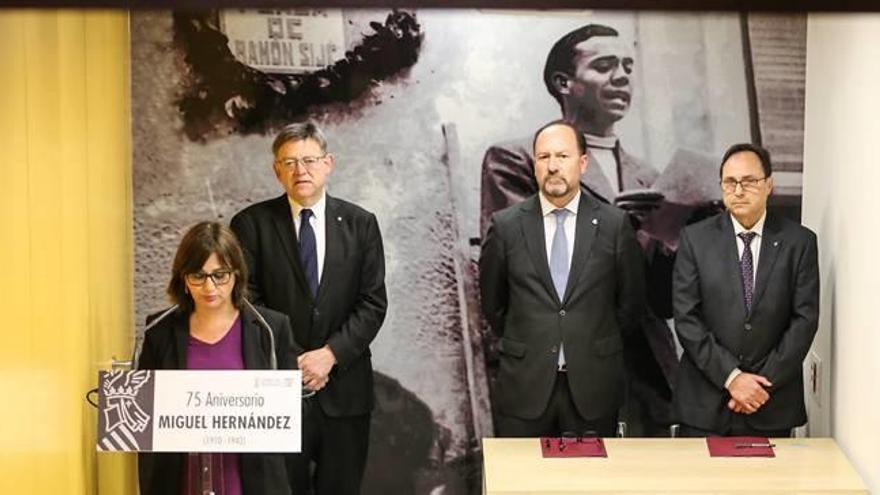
column 320, row 260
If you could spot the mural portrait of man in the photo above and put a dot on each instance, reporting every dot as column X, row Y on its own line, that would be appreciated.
column 414, row 100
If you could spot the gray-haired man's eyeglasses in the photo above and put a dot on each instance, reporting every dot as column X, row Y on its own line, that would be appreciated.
column 308, row 162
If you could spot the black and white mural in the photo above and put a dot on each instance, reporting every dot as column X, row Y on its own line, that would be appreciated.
column 429, row 113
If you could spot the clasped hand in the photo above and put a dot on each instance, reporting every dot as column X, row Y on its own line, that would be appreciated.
column 748, row 393
column 315, row 366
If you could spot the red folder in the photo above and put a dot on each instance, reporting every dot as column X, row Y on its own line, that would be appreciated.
column 740, row 447
column 572, row 447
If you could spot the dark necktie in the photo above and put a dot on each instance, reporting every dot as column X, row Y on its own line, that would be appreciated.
column 746, row 265
column 308, row 251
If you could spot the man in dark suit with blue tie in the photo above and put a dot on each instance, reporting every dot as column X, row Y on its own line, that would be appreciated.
column 320, row 260
column 562, row 284
column 746, row 302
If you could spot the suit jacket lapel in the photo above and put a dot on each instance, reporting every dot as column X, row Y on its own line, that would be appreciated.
column 628, row 169
column 770, row 241
column 283, row 220
column 181, row 338
column 596, row 181
column 333, row 248
column 727, row 247
column 533, row 233
column 585, row 232
column 632, row 173
column 252, row 352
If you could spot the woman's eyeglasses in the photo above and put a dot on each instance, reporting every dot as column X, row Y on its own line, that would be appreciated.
column 220, row 277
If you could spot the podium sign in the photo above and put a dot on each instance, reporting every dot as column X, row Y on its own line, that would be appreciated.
column 199, row 411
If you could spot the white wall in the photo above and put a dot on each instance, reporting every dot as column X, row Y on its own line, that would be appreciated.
column 841, row 203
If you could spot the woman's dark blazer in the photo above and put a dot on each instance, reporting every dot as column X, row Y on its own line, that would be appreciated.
column 165, row 347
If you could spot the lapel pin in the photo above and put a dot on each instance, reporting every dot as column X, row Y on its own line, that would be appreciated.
column 595, row 222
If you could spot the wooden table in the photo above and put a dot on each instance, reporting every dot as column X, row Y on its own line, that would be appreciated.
column 674, row 465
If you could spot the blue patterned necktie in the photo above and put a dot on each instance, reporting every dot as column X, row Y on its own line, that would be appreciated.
column 559, row 266
column 746, row 265
column 308, row 251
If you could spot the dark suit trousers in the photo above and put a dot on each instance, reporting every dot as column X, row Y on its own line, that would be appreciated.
column 334, row 453
column 561, row 418
column 737, row 428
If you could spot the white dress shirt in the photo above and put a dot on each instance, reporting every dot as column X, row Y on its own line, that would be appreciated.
column 758, row 229
column 755, row 247
column 569, row 224
column 318, row 221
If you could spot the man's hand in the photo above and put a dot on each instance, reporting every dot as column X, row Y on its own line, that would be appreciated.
column 747, row 393
column 736, row 407
column 639, row 203
column 315, row 366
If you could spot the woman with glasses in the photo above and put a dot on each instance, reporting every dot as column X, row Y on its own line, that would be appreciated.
column 213, row 326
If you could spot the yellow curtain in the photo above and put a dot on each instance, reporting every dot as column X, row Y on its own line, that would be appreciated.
column 66, row 251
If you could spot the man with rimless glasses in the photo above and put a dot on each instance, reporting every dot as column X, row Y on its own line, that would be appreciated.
column 746, row 303
column 320, row 260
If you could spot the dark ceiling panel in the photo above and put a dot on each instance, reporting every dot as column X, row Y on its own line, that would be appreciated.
column 701, row 5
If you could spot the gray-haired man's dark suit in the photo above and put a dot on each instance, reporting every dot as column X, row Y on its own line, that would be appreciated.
column 345, row 315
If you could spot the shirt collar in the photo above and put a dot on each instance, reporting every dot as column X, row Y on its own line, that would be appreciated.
column 547, row 207
column 758, row 228
column 317, row 208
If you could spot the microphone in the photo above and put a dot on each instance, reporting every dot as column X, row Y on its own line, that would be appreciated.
column 273, row 359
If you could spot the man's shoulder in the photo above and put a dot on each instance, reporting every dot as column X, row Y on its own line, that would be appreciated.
column 794, row 230
column 517, row 210
column 706, row 227
column 348, row 208
column 260, row 208
column 604, row 208
column 518, row 148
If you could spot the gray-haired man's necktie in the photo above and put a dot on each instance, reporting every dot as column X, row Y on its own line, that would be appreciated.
column 308, row 251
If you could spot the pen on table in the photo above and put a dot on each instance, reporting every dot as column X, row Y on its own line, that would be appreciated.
column 754, row 445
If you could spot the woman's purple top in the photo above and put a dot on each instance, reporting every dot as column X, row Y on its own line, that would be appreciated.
column 225, row 354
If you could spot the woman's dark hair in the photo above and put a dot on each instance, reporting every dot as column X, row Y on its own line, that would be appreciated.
column 197, row 245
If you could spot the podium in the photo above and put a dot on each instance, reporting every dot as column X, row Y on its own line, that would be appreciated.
column 676, row 465
column 202, row 413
